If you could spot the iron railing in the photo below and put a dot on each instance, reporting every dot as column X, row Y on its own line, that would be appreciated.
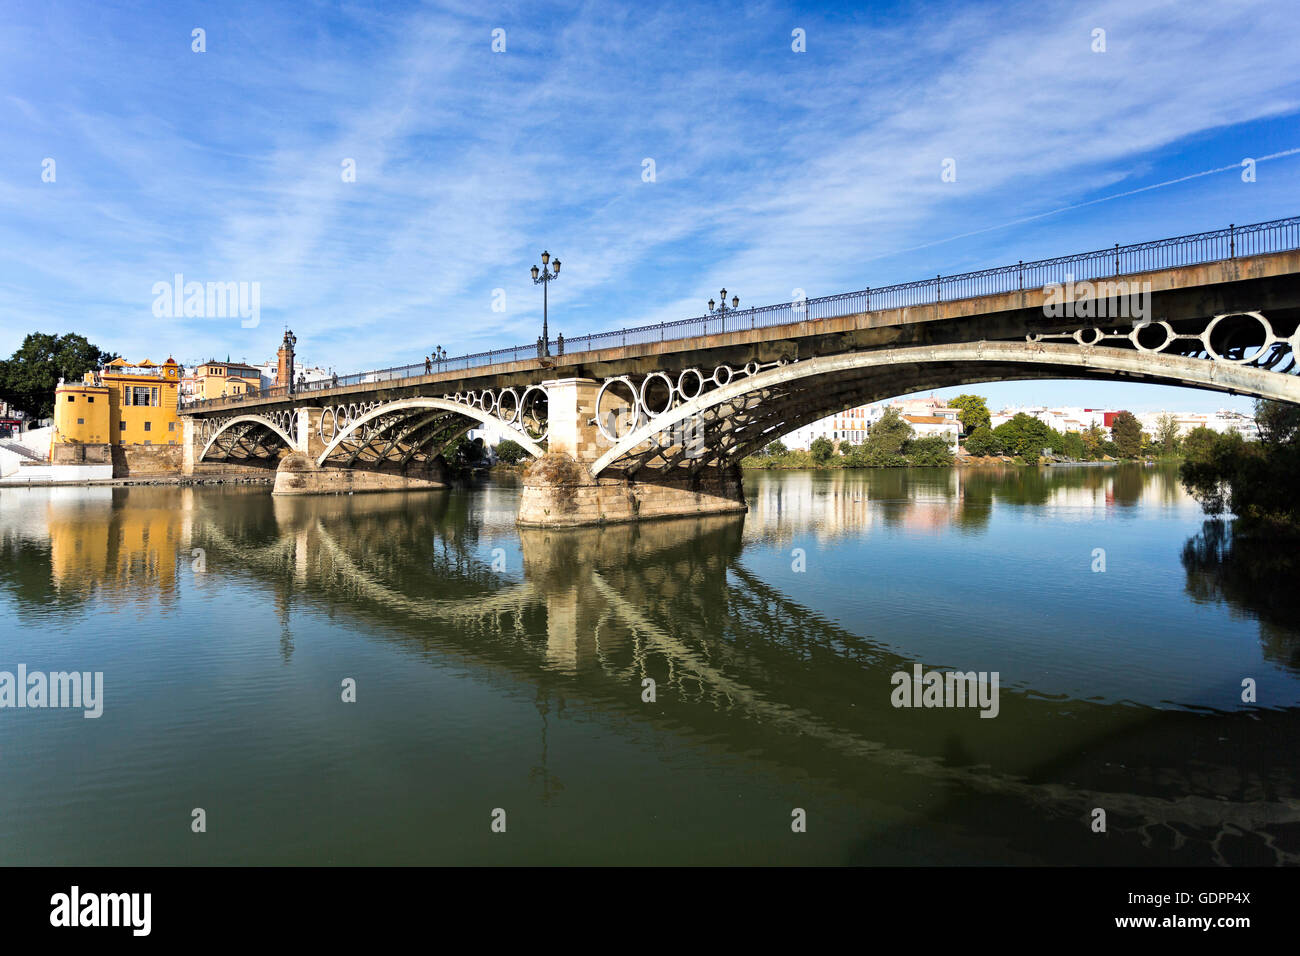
column 1279, row 235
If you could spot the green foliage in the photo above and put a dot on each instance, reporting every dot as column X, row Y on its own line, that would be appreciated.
column 1126, row 431
column 1166, row 436
column 974, row 412
column 1095, row 443
column 28, row 378
column 1025, row 436
column 887, row 436
column 776, row 449
column 983, row 442
column 1072, row 446
column 1198, row 442
column 822, row 449
column 929, row 452
column 510, row 451
column 1253, row 480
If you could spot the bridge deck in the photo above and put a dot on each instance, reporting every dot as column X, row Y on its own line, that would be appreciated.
column 1177, row 292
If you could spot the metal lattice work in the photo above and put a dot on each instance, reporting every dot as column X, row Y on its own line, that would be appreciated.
column 1242, row 338
column 627, row 404
column 398, row 433
column 246, row 439
column 695, row 421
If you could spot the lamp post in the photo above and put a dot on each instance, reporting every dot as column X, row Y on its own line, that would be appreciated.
column 544, row 277
column 723, row 309
column 439, row 356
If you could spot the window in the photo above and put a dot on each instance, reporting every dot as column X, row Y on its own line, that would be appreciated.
column 72, row 398
column 121, row 426
column 81, row 421
column 148, row 442
column 148, row 426
column 171, row 426
column 90, row 399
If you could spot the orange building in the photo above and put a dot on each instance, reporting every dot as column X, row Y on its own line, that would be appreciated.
column 121, row 404
column 215, row 379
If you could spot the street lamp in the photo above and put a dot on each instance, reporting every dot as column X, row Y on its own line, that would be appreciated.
column 544, row 279
column 722, row 309
column 439, row 356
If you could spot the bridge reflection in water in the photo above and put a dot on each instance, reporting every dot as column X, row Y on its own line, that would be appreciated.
column 741, row 667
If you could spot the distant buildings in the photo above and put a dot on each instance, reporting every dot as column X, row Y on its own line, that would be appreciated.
column 933, row 416
column 215, row 379
column 927, row 416
column 1075, row 419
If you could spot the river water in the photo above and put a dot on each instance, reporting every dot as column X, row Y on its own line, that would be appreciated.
column 703, row 691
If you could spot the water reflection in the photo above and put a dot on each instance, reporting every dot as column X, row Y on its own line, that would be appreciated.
column 844, row 502
column 739, row 664
column 1253, row 576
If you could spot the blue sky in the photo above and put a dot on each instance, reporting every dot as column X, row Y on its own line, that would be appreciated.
column 774, row 170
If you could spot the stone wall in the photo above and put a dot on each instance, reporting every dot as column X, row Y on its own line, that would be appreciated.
column 299, row 475
column 134, row 461
column 62, row 453
column 559, row 492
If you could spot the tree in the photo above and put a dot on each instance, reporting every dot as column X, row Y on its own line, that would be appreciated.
column 1126, row 431
column 510, row 451
column 29, row 377
column 1198, row 441
column 887, row 435
column 776, row 448
column 974, row 412
column 821, row 449
column 1072, row 446
column 1166, row 436
column 1094, row 442
column 1253, row 480
column 929, row 452
column 983, row 442
column 1024, row 435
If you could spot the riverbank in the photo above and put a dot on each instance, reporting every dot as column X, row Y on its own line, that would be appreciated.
column 170, row 480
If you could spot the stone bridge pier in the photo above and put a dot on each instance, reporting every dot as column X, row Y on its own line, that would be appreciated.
column 560, row 489
column 301, row 472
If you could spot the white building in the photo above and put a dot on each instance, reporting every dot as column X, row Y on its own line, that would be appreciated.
column 1223, row 420
column 927, row 416
column 267, row 371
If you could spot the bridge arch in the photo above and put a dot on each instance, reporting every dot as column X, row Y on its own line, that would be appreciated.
column 255, row 421
column 749, row 412
column 472, row 413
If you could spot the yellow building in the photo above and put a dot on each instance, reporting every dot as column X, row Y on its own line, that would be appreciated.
column 218, row 379
column 121, row 404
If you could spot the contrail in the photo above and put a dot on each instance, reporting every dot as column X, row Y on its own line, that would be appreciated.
column 1090, row 202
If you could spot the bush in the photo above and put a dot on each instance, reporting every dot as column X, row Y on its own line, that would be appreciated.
column 983, row 442
column 510, row 451
column 822, row 450
column 929, row 452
